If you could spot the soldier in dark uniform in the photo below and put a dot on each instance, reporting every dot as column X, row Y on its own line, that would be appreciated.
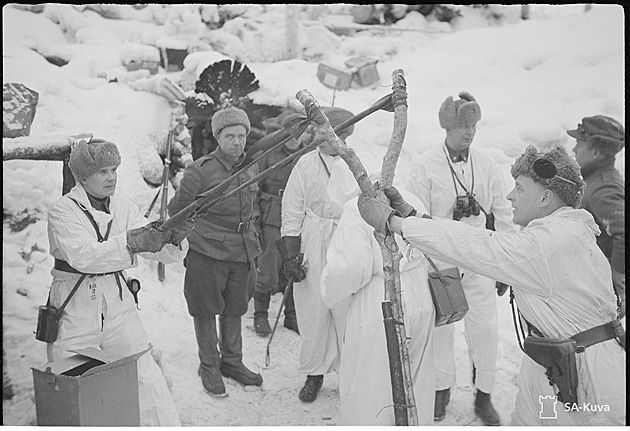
column 223, row 245
column 271, row 278
column 598, row 140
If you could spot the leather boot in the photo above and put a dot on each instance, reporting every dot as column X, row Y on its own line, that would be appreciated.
column 232, row 353
column 311, row 387
column 290, row 322
column 206, row 333
column 442, row 398
column 485, row 410
column 261, row 317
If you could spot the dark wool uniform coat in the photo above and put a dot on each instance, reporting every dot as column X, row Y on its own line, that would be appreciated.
column 220, row 255
column 604, row 198
column 272, row 187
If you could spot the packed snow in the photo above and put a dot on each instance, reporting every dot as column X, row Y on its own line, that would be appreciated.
column 534, row 80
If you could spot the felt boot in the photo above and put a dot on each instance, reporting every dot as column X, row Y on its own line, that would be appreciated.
column 261, row 317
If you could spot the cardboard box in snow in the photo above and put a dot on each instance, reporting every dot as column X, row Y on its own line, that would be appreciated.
column 364, row 70
column 172, row 53
column 91, row 388
column 334, row 77
column 136, row 56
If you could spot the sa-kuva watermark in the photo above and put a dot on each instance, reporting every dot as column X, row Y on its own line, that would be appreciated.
column 549, row 407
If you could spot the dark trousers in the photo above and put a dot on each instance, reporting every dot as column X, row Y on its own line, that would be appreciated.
column 214, row 286
column 271, row 279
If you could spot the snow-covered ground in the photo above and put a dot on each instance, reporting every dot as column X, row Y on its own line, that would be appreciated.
column 533, row 79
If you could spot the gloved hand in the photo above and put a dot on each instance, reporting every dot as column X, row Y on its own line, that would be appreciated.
column 289, row 249
column 402, row 208
column 177, row 235
column 375, row 212
column 146, row 238
column 293, row 268
column 501, row 288
column 619, row 284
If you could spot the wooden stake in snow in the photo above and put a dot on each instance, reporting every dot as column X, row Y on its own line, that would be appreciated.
column 405, row 411
column 291, row 31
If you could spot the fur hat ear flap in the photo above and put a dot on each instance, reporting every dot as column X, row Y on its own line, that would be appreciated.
column 448, row 114
column 468, row 113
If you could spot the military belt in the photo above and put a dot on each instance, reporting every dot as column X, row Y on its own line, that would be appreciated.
column 239, row 227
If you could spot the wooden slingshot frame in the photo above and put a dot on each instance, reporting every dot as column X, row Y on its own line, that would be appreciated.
column 405, row 411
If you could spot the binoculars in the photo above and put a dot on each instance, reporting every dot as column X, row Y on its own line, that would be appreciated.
column 465, row 206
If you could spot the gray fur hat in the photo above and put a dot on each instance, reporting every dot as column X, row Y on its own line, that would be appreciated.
column 229, row 117
column 567, row 168
column 454, row 113
column 87, row 158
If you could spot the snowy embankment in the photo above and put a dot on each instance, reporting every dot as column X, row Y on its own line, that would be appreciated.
column 533, row 80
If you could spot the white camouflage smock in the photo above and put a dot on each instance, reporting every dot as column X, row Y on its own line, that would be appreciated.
column 308, row 211
column 432, row 182
column 562, row 284
column 96, row 316
column 354, row 270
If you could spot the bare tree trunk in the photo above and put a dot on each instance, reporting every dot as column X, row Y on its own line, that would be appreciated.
column 291, row 28
column 525, row 12
column 402, row 387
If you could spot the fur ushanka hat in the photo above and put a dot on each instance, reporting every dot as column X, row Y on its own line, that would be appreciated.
column 567, row 168
column 456, row 113
column 229, row 117
column 87, row 158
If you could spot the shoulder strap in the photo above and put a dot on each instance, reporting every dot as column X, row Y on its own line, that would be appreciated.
column 74, row 289
column 89, row 216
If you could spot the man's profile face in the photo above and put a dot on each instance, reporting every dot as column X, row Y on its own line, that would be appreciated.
column 102, row 183
column 526, row 197
column 585, row 153
column 232, row 140
column 459, row 138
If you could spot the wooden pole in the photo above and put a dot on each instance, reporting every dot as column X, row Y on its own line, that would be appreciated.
column 51, row 147
column 525, row 12
column 291, row 29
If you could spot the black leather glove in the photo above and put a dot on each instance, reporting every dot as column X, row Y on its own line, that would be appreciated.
column 146, row 239
column 177, row 235
column 501, row 288
column 289, row 249
column 402, row 208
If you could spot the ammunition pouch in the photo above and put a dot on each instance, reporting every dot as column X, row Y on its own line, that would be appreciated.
column 270, row 209
column 47, row 324
column 558, row 358
column 448, row 295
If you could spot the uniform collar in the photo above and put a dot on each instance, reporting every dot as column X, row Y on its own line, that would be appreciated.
column 457, row 156
column 99, row 204
column 604, row 163
column 227, row 161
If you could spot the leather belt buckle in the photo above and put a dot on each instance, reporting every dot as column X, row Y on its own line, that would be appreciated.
column 280, row 192
column 242, row 226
